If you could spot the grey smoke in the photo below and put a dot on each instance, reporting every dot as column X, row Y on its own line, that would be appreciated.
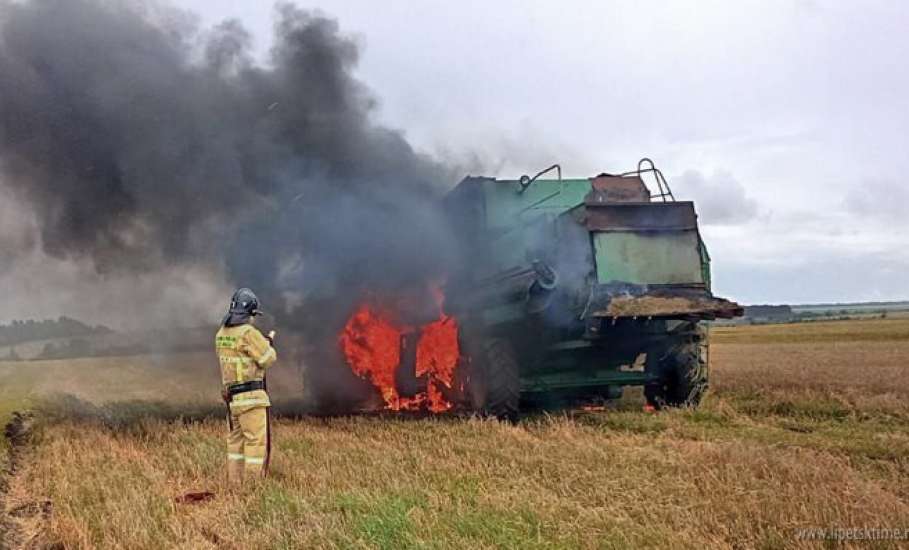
column 141, row 142
column 17, row 233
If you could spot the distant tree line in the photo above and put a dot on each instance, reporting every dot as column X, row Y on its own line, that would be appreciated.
column 767, row 312
column 19, row 332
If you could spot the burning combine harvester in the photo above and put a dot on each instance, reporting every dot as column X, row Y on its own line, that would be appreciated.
column 568, row 290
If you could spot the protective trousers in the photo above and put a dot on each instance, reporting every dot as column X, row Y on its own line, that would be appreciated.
column 248, row 444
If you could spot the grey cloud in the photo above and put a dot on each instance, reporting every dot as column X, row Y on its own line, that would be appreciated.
column 812, row 255
column 850, row 277
column 882, row 200
column 720, row 198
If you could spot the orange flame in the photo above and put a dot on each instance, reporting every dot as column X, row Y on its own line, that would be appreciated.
column 372, row 346
column 371, row 343
column 437, row 357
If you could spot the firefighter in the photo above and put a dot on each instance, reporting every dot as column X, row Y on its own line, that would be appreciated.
column 244, row 354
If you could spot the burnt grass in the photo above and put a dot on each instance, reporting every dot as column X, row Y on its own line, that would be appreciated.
column 800, row 430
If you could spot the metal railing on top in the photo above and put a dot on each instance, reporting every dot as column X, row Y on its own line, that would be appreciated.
column 662, row 185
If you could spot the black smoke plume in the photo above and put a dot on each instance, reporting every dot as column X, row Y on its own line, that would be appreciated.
column 137, row 148
column 141, row 142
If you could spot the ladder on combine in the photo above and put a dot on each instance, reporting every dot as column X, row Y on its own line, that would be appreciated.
column 664, row 192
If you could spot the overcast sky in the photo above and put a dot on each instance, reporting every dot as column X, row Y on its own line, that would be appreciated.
column 785, row 121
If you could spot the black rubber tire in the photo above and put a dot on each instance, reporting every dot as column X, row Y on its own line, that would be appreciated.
column 503, row 380
column 495, row 382
column 683, row 368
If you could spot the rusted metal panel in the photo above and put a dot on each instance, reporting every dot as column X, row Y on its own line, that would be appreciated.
column 606, row 188
column 628, row 216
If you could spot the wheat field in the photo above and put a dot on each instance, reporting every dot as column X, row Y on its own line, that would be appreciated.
column 806, row 428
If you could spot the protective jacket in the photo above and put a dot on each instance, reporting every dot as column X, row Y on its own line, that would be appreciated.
column 244, row 354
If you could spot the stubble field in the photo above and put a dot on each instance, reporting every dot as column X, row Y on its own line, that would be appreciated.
column 806, row 428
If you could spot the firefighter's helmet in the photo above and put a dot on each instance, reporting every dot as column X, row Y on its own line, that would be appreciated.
column 243, row 305
column 245, row 301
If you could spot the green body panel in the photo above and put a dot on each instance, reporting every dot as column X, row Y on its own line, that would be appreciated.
column 705, row 262
column 507, row 209
column 508, row 251
column 544, row 382
column 648, row 258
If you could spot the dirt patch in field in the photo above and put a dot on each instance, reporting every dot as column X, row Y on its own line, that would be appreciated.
column 16, row 432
